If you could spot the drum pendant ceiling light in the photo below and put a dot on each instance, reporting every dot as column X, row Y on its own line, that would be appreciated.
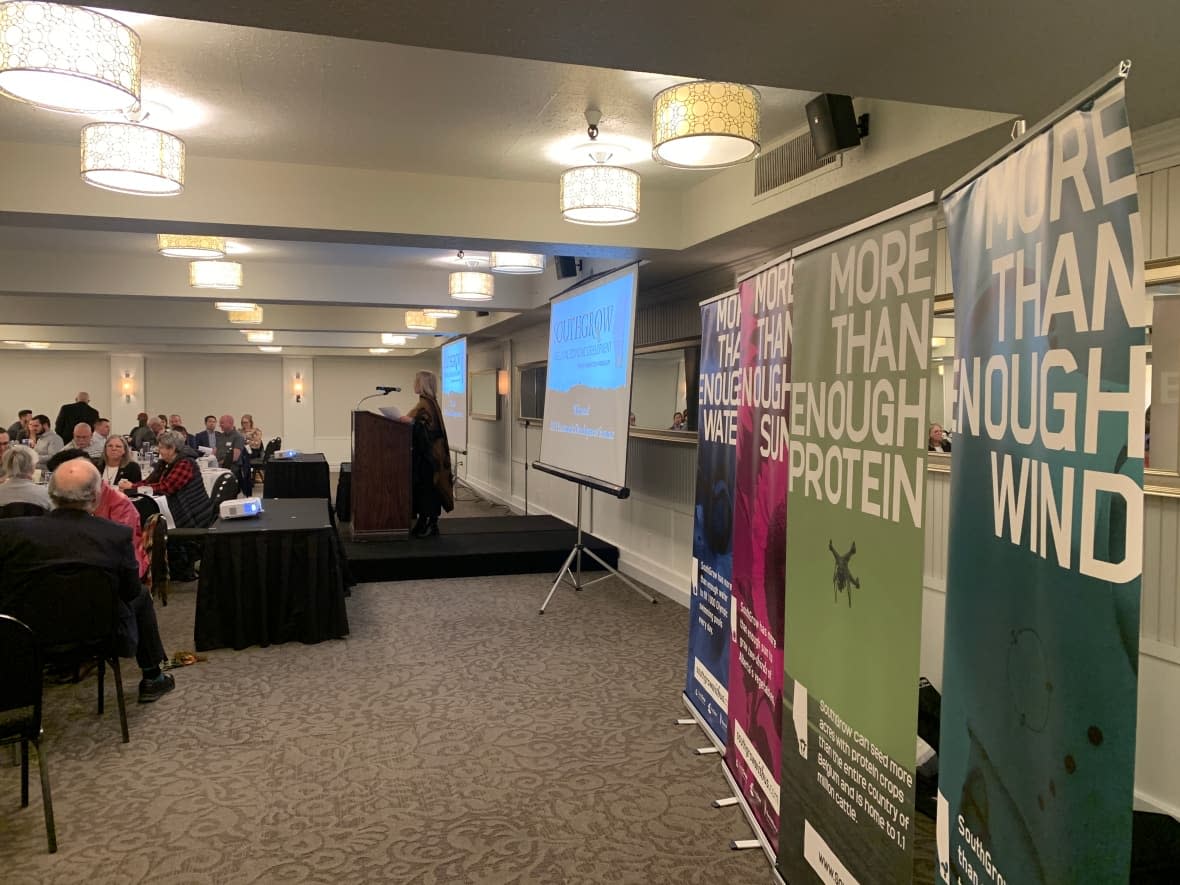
column 420, row 322
column 517, row 262
column 132, row 159
column 705, row 125
column 441, row 313
column 600, row 194
column 469, row 285
column 184, row 246
column 67, row 58
column 215, row 275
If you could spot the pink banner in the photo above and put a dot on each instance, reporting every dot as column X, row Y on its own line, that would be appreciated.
column 759, row 547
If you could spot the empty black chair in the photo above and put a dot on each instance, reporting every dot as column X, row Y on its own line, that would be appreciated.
column 20, row 699
column 21, row 508
column 259, row 469
column 74, row 611
column 225, row 488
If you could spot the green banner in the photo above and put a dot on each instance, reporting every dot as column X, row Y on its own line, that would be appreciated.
column 862, row 324
column 1042, row 620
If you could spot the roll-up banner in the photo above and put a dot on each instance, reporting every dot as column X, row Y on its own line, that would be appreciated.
column 759, row 533
column 863, row 314
column 1042, row 617
column 707, row 680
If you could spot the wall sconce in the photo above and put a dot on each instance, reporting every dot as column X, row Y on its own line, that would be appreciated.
column 297, row 387
column 502, row 382
column 127, row 387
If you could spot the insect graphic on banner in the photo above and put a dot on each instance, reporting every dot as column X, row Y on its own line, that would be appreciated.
column 842, row 578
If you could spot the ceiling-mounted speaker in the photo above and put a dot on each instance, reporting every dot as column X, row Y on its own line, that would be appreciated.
column 566, row 266
column 834, row 125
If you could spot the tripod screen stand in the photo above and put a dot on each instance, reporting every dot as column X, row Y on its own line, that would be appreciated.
column 571, row 571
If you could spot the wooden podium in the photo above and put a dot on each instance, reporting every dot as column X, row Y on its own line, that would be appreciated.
column 381, row 477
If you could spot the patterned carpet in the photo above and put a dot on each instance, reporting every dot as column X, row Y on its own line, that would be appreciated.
column 455, row 737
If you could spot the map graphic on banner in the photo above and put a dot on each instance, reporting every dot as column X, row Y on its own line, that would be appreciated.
column 707, row 680
column 759, row 529
column 863, row 313
column 1042, row 620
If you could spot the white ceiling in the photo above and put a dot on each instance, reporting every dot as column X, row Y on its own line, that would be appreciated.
column 254, row 94
column 315, row 148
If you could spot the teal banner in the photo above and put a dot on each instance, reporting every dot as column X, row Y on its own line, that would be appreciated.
column 1042, row 619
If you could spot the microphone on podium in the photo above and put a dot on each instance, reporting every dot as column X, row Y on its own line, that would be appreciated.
column 381, row 389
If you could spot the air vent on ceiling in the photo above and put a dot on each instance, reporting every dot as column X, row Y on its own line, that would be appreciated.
column 790, row 161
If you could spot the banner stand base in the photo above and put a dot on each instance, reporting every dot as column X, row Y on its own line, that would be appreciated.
column 760, row 841
column 699, row 720
column 707, row 751
column 686, row 722
column 575, row 578
column 727, row 802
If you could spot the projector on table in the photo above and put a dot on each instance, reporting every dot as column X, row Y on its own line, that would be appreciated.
column 240, row 507
column 285, row 454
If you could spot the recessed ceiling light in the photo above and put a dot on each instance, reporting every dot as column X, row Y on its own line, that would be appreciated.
column 235, row 305
column 380, row 350
column 390, row 338
column 37, row 345
column 265, row 348
column 258, row 336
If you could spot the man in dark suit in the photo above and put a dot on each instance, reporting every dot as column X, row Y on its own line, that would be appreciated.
column 71, row 534
column 208, row 436
column 72, row 414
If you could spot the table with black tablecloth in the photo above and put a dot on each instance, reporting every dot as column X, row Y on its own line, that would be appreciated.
column 302, row 476
column 272, row 578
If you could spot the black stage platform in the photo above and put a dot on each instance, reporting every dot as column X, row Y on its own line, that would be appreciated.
column 470, row 547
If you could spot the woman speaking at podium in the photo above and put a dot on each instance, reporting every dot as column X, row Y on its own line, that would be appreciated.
column 433, row 484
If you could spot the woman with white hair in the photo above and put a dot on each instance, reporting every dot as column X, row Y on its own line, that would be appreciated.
column 18, row 486
column 177, row 478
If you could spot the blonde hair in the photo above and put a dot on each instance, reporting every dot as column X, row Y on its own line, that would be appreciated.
column 250, row 418
column 427, row 383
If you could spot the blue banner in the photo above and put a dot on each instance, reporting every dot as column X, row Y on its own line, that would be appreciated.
column 707, row 683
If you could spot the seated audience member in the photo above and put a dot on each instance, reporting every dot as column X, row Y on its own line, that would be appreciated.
column 207, row 438
column 253, row 437
column 677, row 421
column 20, row 430
column 117, row 464
column 102, row 432
column 177, row 478
column 157, row 427
column 71, row 535
column 42, row 438
column 112, row 503
column 141, row 433
column 176, row 423
column 5, row 439
column 17, row 464
column 71, row 413
column 230, row 445
column 937, row 442
column 82, row 440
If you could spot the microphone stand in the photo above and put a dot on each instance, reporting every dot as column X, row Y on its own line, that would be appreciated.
column 370, row 396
